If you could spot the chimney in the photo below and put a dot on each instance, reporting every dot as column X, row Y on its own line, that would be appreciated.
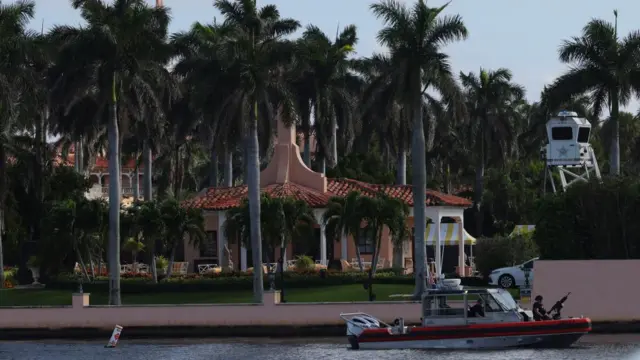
column 159, row 3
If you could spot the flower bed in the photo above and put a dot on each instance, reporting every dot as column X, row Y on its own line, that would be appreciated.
column 234, row 281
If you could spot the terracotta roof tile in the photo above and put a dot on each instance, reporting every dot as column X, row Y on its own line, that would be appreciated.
column 225, row 198
column 230, row 197
column 341, row 187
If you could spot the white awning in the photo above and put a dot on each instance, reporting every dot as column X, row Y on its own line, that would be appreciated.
column 448, row 235
column 523, row 230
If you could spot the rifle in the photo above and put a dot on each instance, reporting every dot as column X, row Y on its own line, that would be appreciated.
column 557, row 307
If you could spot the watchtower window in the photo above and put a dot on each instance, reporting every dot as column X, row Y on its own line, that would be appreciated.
column 583, row 134
column 562, row 133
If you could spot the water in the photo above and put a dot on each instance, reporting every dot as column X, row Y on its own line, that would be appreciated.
column 593, row 347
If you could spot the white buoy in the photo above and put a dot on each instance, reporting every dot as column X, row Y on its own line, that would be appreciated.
column 115, row 336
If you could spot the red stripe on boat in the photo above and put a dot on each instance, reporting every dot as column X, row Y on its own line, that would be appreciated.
column 417, row 337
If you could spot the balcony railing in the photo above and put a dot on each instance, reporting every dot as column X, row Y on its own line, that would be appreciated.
column 126, row 191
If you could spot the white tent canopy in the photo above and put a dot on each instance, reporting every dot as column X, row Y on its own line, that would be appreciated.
column 449, row 235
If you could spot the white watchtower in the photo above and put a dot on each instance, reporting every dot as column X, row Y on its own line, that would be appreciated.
column 568, row 150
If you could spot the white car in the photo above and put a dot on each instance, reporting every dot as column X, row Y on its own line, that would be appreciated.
column 509, row 277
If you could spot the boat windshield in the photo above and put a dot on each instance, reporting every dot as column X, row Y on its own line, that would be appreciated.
column 505, row 300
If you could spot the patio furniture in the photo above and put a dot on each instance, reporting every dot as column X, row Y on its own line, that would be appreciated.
column 142, row 268
column 180, row 268
column 126, row 267
column 205, row 268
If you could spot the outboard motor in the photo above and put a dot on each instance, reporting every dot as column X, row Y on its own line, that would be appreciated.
column 361, row 322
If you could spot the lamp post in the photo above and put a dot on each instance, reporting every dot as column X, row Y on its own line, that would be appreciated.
column 526, row 291
column 281, row 267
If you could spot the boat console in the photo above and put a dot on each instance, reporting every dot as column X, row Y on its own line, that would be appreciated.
column 451, row 307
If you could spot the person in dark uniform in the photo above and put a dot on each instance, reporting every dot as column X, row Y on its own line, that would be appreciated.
column 539, row 312
column 477, row 309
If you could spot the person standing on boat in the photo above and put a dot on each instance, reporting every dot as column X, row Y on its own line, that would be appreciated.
column 539, row 312
column 477, row 309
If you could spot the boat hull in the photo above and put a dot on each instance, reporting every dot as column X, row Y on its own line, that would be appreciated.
column 544, row 334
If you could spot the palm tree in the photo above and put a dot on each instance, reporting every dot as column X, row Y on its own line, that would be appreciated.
column 255, row 53
column 490, row 95
column 202, row 64
column 604, row 67
column 331, row 83
column 343, row 217
column 16, row 45
column 181, row 222
column 149, row 223
column 121, row 45
column 415, row 37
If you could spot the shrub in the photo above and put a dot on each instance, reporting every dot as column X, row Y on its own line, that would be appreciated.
column 304, row 263
column 595, row 220
column 161, row 263
column 497, row 252
column 236, row 281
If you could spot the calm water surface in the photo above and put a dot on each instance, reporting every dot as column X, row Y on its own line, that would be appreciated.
column 594, row 347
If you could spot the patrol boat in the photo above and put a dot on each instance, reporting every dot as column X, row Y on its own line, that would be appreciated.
column 446, row 324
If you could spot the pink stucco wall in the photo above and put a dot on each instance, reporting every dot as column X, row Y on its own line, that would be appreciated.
column 603, row 290
column 81, row 314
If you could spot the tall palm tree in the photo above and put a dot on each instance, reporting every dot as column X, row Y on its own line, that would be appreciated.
column 606, row 68
column 330, row 83
column 255, row 53
column 119, row 47
column 203, row 66
column 490, row 95
column 16, row 45
column 415, row 37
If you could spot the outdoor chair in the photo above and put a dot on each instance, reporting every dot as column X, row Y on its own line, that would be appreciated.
column 180, row 268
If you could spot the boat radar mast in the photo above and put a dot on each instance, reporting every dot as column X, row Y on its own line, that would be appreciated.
column 568, row 151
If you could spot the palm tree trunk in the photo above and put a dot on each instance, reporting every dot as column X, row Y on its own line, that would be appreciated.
column 154, row 270
column 614, row 157
column 114, row 200
column 176, row 173
column 80, row 154
column 136, row 178
column 401, row 167
column 172, row 257
column 228, row 167
column 3, row 185
column 376, row 254
column 213, row 168
column 307, row 149
column 419, row 175
column 253, row 183
column 76, row 158
column 479, row 185
column 401, row 179
column 148, row 171
column 334, row 142
column 358, row 255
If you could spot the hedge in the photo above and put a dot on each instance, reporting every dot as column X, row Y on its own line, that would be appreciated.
column 235, row 282
column 594, row 220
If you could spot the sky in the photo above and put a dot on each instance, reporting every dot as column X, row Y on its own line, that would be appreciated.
column 522, row 36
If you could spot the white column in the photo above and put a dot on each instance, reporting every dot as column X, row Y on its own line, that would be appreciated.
column 438, row 246
column 461, row 263
column 343, row 247
column 323, row 238
column 243, row 258
column 222, row 239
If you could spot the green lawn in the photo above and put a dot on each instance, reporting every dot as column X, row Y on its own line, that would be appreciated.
column 29, row 297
